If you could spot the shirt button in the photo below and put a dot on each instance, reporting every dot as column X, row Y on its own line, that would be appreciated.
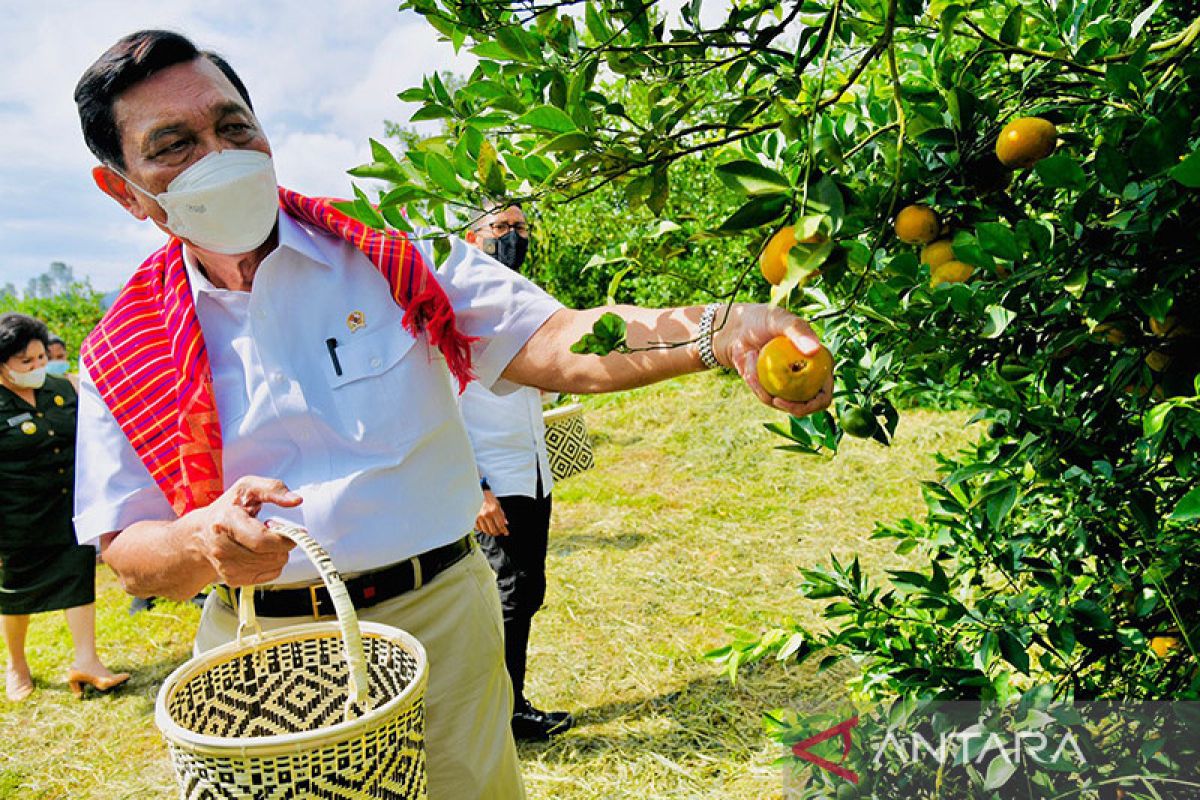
column 375, row 362
column 40, row 414
column 65, row 491
column 49, row 433
column 57, row 451
column 61, row 471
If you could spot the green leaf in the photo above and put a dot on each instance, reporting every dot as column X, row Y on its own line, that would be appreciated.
column 998, row 240
column 513, row 39
column 1111, row 168
column 1188, row 508
column 1076, row 281
column 547, row 118
column 999, row 771
column 1010, row 34
column 1141, row 19
column 490, row 173
column 998, row 318
column 566, row 143
column 755, row 213
column 751, row 178
column 442, row 172
column 1187, row 171
column 1061, row 172
column 615, row 284
column 431, row 111
column 596, row 24
column 608, row 334
column 1154, row 419
column 1014, row 651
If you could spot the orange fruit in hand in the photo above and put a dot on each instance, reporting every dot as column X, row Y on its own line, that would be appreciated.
column 917, row 224
column 787, row 373
column 1026, row 141
column 950, row 272
column 937, row 253
column 773, row 261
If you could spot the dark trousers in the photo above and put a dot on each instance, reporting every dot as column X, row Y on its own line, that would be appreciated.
column 519, row 561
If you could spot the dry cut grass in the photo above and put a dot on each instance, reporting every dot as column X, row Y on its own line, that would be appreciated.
column 690, row 523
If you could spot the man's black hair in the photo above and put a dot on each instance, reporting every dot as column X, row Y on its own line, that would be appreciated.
column 130, row 61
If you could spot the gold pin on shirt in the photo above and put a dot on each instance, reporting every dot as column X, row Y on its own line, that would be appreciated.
column 356, row 320
column 58, row 401
column 28, row 428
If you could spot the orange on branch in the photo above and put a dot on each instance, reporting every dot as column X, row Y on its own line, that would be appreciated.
column 1158, row 360
column 1026, row 141
column 773, row 261
column 1163, row 646
column 950, row 272
column 1112, row 334
column 917, row 224
column 1168, row 327
column 787, row 373
column 937, row 253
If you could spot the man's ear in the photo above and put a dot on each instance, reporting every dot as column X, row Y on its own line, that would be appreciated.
column 116, row 187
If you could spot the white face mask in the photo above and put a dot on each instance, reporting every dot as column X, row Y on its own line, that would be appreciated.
column 227, row 202
column 33, row 379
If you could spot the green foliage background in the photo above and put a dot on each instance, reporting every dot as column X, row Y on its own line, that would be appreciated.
column 1058, row 548
column 71, row 314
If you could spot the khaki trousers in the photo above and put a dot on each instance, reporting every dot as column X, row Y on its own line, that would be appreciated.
column 468, row 701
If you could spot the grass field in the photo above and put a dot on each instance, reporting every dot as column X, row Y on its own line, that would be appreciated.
column 690, row 523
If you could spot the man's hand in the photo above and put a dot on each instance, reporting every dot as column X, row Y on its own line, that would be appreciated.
column 491, row 519
column 750, row 326
column 241, row 549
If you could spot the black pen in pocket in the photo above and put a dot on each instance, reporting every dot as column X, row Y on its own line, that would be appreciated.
column 331, row 344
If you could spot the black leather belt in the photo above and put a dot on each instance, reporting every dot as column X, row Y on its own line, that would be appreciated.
column 366, row 590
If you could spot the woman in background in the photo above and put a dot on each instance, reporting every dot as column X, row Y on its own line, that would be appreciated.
column 42, row 567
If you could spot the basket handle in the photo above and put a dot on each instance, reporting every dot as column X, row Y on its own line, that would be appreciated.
column 348, row 621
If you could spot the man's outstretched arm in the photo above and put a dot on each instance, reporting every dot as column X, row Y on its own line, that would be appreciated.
column 546, row 360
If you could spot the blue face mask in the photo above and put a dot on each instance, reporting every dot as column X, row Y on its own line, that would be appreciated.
column 57, row 367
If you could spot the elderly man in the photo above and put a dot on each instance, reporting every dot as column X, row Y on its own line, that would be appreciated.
column 276, row 353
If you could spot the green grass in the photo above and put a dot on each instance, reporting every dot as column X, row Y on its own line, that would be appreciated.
column 690, row 523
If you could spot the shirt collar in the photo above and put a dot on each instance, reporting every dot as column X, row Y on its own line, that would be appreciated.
column 294, row 237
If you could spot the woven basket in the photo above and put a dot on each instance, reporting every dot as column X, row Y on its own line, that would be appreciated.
column 567, row 442
column 330, row 710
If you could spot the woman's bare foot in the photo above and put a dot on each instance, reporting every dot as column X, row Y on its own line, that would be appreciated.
column 18, row 684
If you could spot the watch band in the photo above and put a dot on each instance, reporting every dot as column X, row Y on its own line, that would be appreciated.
column 705, row 336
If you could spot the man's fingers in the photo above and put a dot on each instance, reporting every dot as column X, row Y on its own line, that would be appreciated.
column 252, row 491
column 802, row 335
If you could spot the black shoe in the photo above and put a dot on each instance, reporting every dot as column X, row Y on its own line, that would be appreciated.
column 531, row 725
column 140, row 604
column 198, row 600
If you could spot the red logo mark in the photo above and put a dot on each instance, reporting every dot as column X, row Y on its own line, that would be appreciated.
column 800, row 749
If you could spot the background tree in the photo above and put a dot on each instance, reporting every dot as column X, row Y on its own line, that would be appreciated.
column 1061, row 550
column 70, row 307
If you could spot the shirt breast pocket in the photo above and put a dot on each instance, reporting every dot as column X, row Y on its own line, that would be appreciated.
column 384, row 396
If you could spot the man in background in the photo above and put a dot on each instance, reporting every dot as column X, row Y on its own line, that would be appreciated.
column 508, row 436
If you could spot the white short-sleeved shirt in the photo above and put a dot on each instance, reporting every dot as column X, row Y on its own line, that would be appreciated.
column 378, row 453
column 508, row 435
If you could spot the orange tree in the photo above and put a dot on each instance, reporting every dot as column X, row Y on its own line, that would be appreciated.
column 1060, row 546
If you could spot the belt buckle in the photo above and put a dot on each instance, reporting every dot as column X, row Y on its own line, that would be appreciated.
column 316, row 600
